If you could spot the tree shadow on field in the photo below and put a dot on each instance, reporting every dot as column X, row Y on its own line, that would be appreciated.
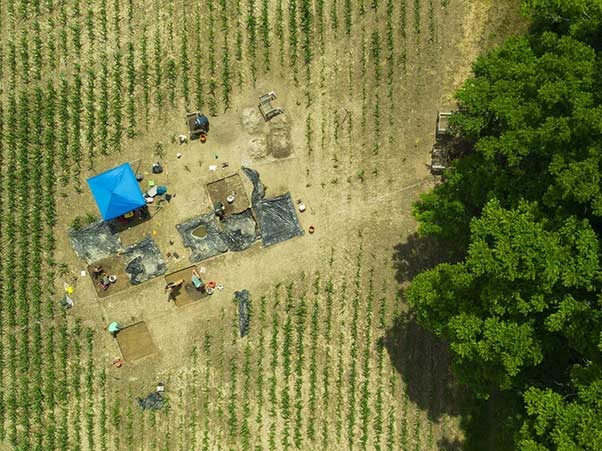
column 446, row 444
column 423, row 361
column 416, row 255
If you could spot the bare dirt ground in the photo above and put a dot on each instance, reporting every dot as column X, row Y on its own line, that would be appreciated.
column 357, row 198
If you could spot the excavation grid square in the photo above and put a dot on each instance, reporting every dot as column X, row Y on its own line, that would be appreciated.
column 135, row 342
column 222, row 188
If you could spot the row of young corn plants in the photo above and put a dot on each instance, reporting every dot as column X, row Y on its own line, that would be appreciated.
column 194, row 395
column 22, row 190
column 251, row 27
column 184, row 61
column 197, row 75
column 233, row 426
column 347, row 16
column 75, row 386
column 157, row 67
column 10, row 250
column 417, row 8
column 75, row 145
column 130, row 74
column 375, row 51
column 273, row 397
column 171, row 72
column 306, row 25
column 49, row 209
column 2, row 298
column 362, row 81
column 378, row 422
column 259, row 368
column 224, row 369
column 265, row 34
column 102, row 412
column 293, row 39
column 320, row 25
column 404, row 430
column 90, row 391
column 287, row 345
column 279, row 31
column 432, row 25
column 212, row 100
column 8, row 269
column 102, row 117
column 90, row 88
column 365, row 414
column 333, row 14
column 205, row 444
column 144, row 74
column 326, row 368
column 238, row 42
column 226, row 76
column 353, row 376
column 390, row 61
column 142, row 432
column 339, row 412
column 392, row 439
column 245, row 432
column 62, row 388
column 128, row 427
column 300, row 321
column 313, row 366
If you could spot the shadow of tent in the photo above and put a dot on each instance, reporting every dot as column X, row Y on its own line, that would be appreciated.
column 141, row 215
column 423, row 362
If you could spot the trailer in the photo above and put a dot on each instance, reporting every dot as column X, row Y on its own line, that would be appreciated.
column 266, row 109
column 442, row 128
column 439, row 160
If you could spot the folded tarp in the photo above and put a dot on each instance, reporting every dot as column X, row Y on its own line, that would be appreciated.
column 276, row 217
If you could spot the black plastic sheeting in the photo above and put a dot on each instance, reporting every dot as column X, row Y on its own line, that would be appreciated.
column 243, row 311
column 235, row 233
column 153, row 401
column 94, row 242
column 258, row 188
column 276, row 217
column 144, row 261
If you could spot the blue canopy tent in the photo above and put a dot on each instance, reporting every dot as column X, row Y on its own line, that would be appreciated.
column 116, row 191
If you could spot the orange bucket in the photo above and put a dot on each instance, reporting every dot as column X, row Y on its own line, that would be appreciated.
column 203, row 137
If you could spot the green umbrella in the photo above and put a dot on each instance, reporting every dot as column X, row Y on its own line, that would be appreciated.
column 114, row 327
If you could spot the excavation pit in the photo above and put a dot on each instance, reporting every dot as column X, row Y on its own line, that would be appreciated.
column 222, row 188
column 187, row 294
column 135, row 342
column 112, row 266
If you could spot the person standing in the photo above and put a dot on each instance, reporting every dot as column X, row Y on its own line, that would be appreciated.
column 173, row 288
column 114, row 328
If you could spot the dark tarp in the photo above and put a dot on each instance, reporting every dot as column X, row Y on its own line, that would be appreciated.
column 153, row 401
column 94, row 242
column 243, row 311
column 235, row 232
column 276, row 217
column 239, row 230
column 144, row 261
column 258, row 188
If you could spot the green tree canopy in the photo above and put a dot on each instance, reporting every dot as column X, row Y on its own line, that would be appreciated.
column 513, row 303
column 522, row 307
